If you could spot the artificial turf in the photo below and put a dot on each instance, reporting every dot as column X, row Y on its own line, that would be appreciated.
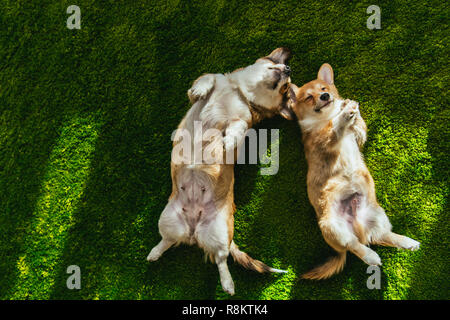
column 86, row 118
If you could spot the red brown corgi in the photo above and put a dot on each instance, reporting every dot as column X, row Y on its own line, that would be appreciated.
column 340, row 187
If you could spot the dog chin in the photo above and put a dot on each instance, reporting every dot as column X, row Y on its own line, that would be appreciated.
column 325, row 106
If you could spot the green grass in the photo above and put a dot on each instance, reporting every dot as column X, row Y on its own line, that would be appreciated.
column 85, row 123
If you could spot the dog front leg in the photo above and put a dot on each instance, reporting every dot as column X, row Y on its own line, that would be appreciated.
column 201, row 87
column 360, row 129
column 234, row 135
column 345, row 118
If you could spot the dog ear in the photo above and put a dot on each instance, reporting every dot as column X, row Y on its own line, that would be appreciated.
column 326, row 74
column 286, row 110
column 287, row 113
column 280, row 55
column 293, row 91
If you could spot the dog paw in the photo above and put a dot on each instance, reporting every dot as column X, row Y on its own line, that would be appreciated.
column 229, row 143
column 228, row 286
column 153, row 255
column 410, row 244
column 342, row 103
column 350, row 110
column 195, row 94
column 198, row 92
column 372, row 259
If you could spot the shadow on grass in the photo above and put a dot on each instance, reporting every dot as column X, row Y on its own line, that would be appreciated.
column 24, row 162
column 430, row 273
column 35, row 99
column 267, row 224
column 129, row 183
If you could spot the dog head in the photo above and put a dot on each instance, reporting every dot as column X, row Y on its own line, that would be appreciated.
column 317, row 100
column 266, row 82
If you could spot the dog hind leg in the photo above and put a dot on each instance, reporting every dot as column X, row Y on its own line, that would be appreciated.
column 212, row 236
column 380, row 231
column 399, row 241
column 159, row 249
column 171, row 228
column 340, row 235
column 225, row 277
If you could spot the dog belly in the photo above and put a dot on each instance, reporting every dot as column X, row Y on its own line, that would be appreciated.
column 196, row 217
column 354, row 210
column 348, row 206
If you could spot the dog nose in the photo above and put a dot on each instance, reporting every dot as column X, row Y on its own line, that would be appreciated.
column 324, row 96
column 287, row 70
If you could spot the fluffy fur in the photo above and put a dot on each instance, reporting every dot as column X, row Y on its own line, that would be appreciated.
column 201, row 207
column 340, row 187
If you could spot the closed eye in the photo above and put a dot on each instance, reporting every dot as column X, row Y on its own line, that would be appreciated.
column 308, row 98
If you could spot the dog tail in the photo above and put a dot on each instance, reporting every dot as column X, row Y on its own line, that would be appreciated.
column 249, row 263
column 332, row 266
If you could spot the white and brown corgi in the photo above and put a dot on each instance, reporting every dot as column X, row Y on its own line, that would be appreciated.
column 340, row 187
column 201, row 207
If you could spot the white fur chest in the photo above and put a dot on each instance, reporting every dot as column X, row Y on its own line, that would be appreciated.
column 224, row 105
column 349, row 155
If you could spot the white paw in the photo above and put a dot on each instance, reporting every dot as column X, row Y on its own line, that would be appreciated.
column 228, row 286
column 372, row 259
column 198, row 92
column 341, row 103
column 351, row 109
column 229, row 143
column 153, row 255
column 410, row 244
